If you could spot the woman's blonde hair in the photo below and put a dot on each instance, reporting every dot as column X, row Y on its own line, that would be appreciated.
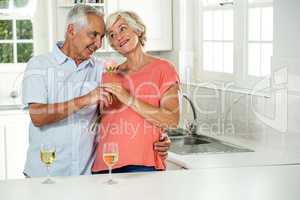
column 133, row 20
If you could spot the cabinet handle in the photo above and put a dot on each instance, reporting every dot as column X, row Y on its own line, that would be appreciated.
column 14, row 94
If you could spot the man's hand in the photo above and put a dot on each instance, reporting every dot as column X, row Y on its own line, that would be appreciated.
column 99, row 95
column 162, row 146
column 121, row 93
column 45, row 114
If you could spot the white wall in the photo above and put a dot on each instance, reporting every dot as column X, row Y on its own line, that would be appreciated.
column 286, row 28
column 42, row 27
column 184, row 43
column 287, row 54
column 174, row 54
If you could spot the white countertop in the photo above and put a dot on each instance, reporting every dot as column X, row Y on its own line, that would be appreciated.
column 276, row 182
column 199, row 161
column 281, row 150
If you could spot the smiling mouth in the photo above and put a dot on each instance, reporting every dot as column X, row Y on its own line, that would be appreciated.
column 91, row 49
column 123, row 43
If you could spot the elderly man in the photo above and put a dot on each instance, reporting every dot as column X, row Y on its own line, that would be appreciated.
column 61, row 90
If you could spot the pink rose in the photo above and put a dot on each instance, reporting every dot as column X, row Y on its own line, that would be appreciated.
column 110, row 65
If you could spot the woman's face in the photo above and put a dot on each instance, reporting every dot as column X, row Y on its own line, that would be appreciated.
column 122, row 37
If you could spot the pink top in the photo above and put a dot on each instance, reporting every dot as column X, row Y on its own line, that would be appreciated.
column 136, row 136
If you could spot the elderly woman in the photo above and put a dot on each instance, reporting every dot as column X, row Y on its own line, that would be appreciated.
column 145, row 89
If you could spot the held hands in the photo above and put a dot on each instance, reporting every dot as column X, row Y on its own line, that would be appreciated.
column 101, row 96
column 117, row 90
column 162, row 146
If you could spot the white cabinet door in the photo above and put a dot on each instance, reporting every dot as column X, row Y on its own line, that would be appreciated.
column 156, row 14
column 10, row 83
column 61, row 10
column 16, row 140
column 2, row 152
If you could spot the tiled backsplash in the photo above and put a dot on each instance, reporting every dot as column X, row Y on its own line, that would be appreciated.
column 237, row 114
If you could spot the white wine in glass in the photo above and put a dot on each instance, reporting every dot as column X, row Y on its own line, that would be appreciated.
column 110, row 157
column 48, row 155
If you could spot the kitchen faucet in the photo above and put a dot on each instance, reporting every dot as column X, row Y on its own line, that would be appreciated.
column 192, row 126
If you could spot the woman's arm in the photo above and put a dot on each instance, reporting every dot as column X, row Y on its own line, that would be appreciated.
column 165, row 116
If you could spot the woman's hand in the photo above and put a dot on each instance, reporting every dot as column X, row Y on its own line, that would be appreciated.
column 117, row 90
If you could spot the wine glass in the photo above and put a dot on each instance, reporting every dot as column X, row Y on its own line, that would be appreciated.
column 110, row 157
column 48, row 155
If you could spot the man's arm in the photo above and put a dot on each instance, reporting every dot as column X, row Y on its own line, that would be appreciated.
column 162, row 146
column 44, row 114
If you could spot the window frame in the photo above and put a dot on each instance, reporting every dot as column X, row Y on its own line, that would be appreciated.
column 240, row 75
column 252, row 80
column 14, row 15
column 222, row 41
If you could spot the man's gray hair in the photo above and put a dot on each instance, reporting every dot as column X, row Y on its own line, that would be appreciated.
column 78, row 15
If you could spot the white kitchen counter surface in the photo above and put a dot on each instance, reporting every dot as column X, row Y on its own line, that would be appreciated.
column 276, row 182
column 198, row 161
column 280, row 150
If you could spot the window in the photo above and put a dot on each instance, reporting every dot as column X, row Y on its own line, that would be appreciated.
column 260, row 38
column 218, row 39
column 16, row 31
column 237, row 38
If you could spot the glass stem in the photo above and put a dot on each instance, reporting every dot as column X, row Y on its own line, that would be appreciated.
column 110, row 174
column 48, row 174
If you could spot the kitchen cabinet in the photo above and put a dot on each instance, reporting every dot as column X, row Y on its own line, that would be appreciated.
column 2, row 153
column 156, row 14
column 10, row 87
column 61, row 9
column 14, row 143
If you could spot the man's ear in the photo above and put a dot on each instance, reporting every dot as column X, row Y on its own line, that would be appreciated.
column 71, row 30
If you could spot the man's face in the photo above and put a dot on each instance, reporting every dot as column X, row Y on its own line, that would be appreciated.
column 89, row 38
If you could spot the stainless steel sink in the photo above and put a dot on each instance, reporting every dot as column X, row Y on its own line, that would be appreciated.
column 184, row 143
column 194, row 140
